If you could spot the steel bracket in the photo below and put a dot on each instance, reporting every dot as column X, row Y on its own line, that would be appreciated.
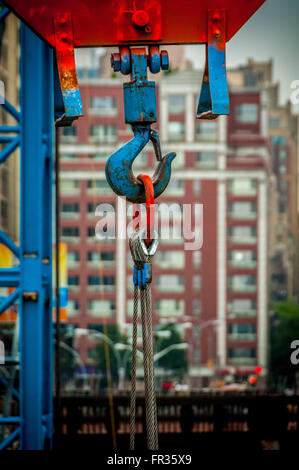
column 214, row 99
column 64, row 43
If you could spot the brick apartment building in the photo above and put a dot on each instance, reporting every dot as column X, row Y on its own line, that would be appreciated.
column 218, row 295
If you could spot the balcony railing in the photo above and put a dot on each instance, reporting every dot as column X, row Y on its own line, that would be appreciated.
column 241, row 361
column 243, row 264
column 70, row 239
column 242, row 288
column 168, row 312
column 242, row 313
column 242, row 336
column 243, row 239
column 101, row 263
column 70, row 215
column 101, row 288
column 240, row 215
column 101, row 313
column 168, row 288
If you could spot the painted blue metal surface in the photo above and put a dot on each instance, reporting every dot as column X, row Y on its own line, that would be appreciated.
column 32, row 278
column 140, row 112
column 119, row 171
column 9, row 439
column 36, row 239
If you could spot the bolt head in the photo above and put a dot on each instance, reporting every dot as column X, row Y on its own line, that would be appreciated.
column 164, row 60
column 115, row 61
column 140, row 18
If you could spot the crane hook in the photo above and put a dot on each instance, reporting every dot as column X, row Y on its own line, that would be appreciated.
column 119, row 171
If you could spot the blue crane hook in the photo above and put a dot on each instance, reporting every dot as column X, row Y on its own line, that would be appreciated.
column 140, row 112
column 119, row 171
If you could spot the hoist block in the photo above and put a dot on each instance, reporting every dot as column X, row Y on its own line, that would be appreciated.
column 66, row 24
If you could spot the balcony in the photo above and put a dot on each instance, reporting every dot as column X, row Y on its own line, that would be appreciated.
column 243, row 192
column 168, row 288
column 101, row 288
column 101, row 264
column 243, row 264
column 242, row 313
column 242, row 288
column 70, row 215
column 243, row 239
column 101, row 313
column 241, row 361
column 242, row 337
column 70, row 239
column 169, row 312
column 103, row 111
column 239, row 215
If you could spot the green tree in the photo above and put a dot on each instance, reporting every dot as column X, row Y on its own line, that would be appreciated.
column 175, row 360
column 284, row 329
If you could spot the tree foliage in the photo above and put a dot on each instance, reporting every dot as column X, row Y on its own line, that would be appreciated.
column 284, row 329
column 175, row 360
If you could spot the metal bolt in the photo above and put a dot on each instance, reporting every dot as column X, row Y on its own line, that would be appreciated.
column 164, row 60
column 140, row 18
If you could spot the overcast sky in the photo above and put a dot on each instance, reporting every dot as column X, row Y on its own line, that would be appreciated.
column 272, row 32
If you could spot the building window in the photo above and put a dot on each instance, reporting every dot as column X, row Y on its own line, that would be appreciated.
column 206, row 130
column 242, row 258
column 103, row 133
column 196, row 187
column 73, row 257
column 196, row 259
column 176, row 104
column 242, row 308
column 176, row 131
column 98, row 156
column 242, row 331
column 69, row 187
column 70, row 232
column 196, row 282
column 279, row 140
column 103, row 105
column 73, row 281
column 170, row 259
column 101, row 308
column 68, row 156
column 69, row 207
column 247, row 113
column 176, row 187
column 242, row 283
column 69, row 133
column 242, row 187
column 242, row 234
column 242, row 352
column 206, row 160
column 102, row 185
column 73, row 305
column 196, row 307
column 242, row 210
column 274, row 123
column 169, row 283
column 170, row 308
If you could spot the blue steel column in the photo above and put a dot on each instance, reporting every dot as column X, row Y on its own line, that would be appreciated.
column 36, row 241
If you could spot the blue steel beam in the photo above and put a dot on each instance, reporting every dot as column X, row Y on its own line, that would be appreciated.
column 9, row 300
column 36, row 242
column 9, row 243
column 9, row 439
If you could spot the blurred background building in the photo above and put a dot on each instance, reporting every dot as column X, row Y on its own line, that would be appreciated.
column 9, row 171
column 242, row 168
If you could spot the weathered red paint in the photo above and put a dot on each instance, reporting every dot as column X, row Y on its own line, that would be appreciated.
column 150, row 205
column 110, row 23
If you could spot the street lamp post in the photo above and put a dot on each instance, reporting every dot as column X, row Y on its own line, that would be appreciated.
column 116, row 347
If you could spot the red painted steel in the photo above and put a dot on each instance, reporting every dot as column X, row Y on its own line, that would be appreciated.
column 149, row 204
column 115, row 22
